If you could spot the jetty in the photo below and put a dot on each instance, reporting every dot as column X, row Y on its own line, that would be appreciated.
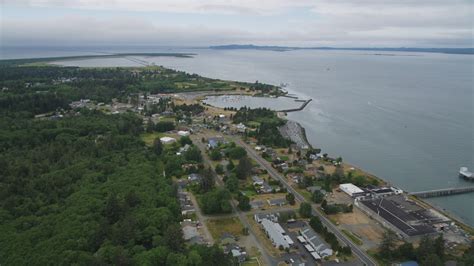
column 297, row 109
column 442, row 192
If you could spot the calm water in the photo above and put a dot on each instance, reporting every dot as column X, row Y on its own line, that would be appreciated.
column 406, row 117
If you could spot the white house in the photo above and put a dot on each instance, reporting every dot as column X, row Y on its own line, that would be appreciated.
column 167, row 140
column 183, row 133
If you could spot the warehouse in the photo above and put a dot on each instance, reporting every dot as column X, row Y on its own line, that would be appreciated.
column 400, row 215
column 351, row 190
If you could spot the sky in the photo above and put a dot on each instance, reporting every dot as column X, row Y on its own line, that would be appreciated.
column 337, row 23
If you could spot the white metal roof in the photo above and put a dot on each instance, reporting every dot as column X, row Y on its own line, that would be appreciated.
column 274, row 234
column 350, row 188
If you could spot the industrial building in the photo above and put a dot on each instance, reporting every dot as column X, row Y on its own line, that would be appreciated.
column 351, row 190
column 401, row 215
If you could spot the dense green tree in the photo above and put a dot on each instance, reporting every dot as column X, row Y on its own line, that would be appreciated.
column 193, row 154
column 219, row 169
column 431, row 259
column 215, row 155
column 406, row 251
column 317, row 196
column 305, row 210
column 244, row 168
column 230, row 166
column 208, row 181
column 290, row 198
column 387, row 245
column 237, row 153
column 173, row 236
column 244, row 202
column 232, row 183
column 216, row 201
column 157, row 146
column 185, row 140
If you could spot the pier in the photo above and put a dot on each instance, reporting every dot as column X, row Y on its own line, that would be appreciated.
column 442, row 192
column 297, row 109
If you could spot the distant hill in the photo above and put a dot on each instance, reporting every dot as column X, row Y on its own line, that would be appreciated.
column 379, row 49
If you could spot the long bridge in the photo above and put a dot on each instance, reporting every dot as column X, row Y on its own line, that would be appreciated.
column 442, row 192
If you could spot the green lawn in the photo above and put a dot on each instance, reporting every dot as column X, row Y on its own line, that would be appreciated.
column 249, row 193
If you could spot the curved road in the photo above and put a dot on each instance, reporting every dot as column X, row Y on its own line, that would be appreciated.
column 363, row 257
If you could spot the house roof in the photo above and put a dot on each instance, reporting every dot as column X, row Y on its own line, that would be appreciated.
column 277, row 201
column 257, row 203
column 316, row 242
column 274, row 233
column 257, row 179
column 266, row 187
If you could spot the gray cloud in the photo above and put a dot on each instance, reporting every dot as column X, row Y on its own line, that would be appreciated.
column 322, row 22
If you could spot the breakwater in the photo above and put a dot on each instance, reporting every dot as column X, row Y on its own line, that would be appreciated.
column 297, row 109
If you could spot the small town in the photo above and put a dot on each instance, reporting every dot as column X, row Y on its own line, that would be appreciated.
column 289, row 203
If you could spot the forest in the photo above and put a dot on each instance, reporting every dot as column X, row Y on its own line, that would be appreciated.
column 84, row 189
column 267, row 132
column 30, row 90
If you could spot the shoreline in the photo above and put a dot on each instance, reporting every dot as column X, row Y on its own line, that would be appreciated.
column 460, row 222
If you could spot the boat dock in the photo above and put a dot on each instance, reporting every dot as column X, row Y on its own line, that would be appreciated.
column 442, row 192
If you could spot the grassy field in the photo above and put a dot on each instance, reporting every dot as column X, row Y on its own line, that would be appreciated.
column 353, row 238
column 230, row 225
column 306, row 194
column 148, row 138
column 251, row 262
column 249, row 193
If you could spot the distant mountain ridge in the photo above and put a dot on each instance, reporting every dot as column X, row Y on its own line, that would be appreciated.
column 380, row 49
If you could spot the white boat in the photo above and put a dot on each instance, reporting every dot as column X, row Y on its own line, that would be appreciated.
column 466, row 174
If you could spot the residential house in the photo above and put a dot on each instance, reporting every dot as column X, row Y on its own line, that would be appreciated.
column 237, row 252
column 276, row 234
column 194, row 177
column 313, row 189
column 319, row 246
column 277, row 202
column 257, row 180
column 257, row 204
column 269, row 216
column 167, row 140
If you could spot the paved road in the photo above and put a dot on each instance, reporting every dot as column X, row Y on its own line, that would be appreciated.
column 268, row 260
column 363, row 257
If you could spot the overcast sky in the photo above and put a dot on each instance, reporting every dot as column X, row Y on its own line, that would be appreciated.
column 340, row 23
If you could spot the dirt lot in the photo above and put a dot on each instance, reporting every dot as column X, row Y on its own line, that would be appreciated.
column 359, row 224
column 339, row 197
